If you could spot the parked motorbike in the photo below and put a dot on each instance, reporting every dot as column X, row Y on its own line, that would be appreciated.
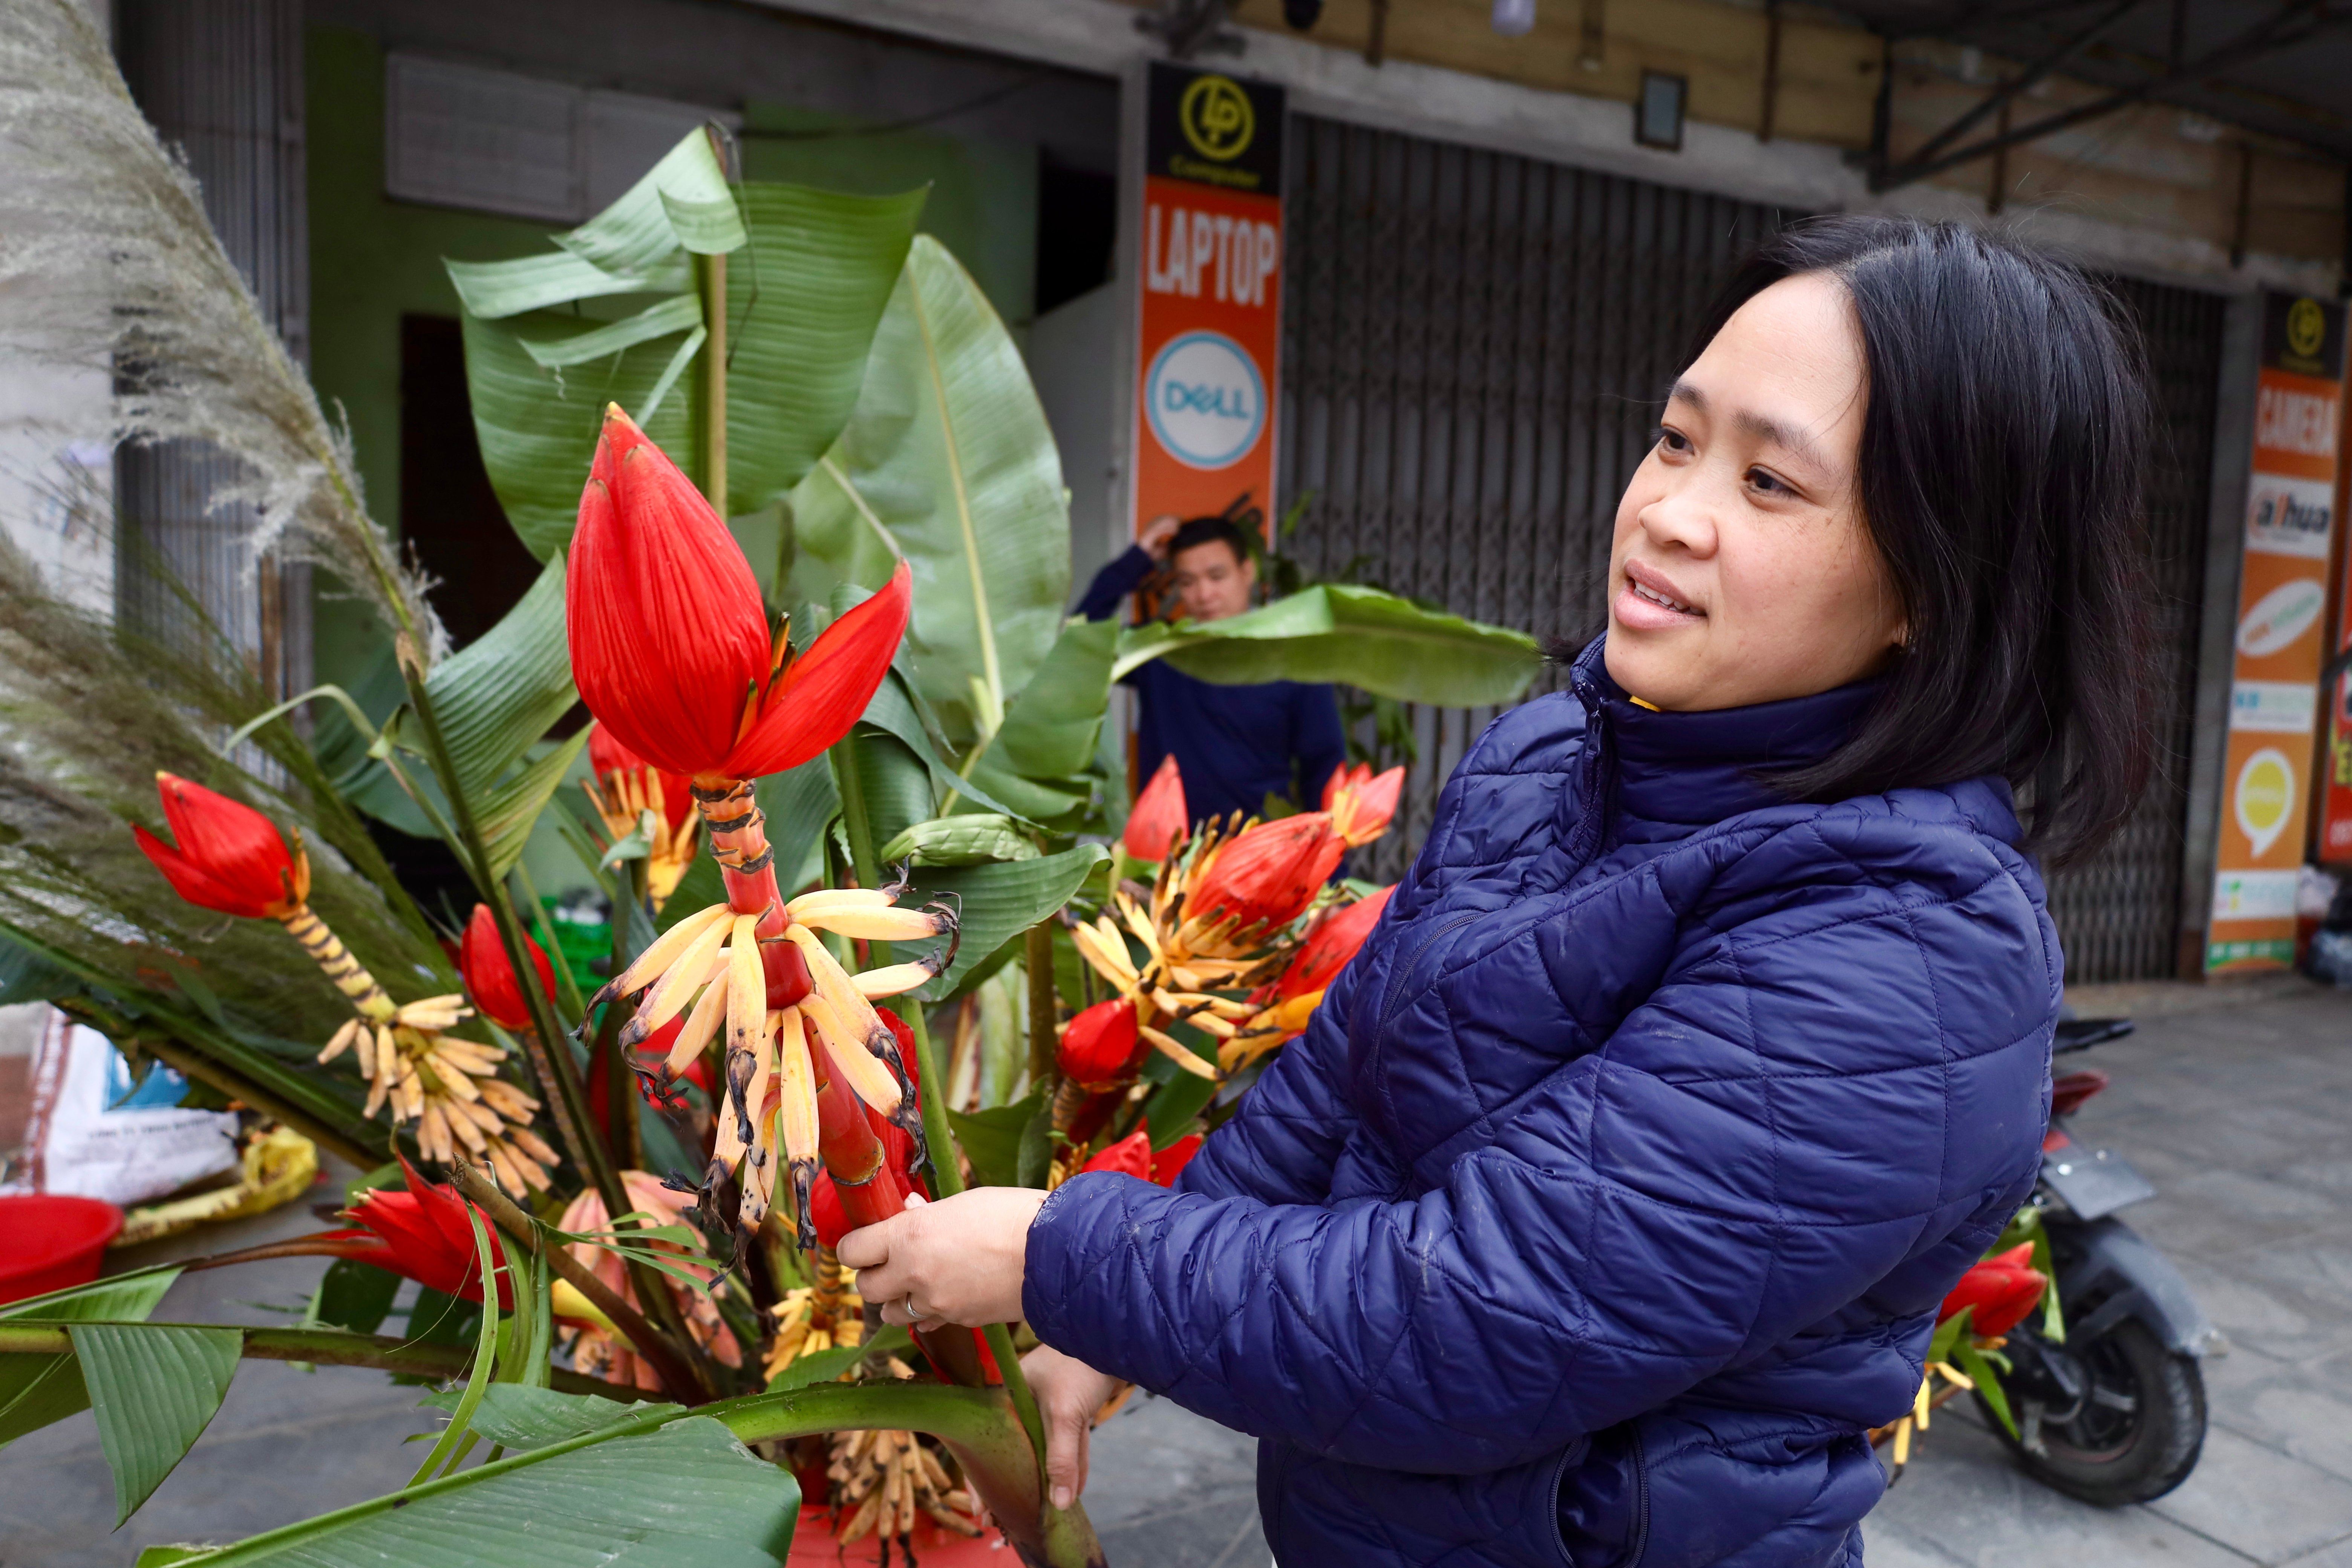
column 2112, row 1409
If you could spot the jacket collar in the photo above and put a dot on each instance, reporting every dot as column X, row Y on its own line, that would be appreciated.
column 1673, row 773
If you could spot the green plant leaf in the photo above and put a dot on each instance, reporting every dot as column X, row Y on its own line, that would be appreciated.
column 1341, row 632
column 505, row 815
column 803, row 301
column 639, row 229
column 972, row 840
column 999, row 902
column 701, row 886
column 164, row 1556
column 948, row 461
column 1175, row 1106
column 522, row 1418
column 537, row 427
column 685, row 1491
column 153, row 1390
column 36, row 1390
column 894, row 708
column 355, row 1295
column 494, row 698
column 992, row 1138
column 1050, row 730
column 823, row 1366
column 1966, row 1356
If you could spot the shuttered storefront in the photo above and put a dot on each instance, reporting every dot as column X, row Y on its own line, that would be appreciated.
column 1473, row 345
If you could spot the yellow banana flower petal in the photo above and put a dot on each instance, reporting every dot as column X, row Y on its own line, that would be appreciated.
column 657, row 959
column 1178, row 1052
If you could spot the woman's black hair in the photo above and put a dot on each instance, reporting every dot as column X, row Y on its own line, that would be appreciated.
column 2002, row 454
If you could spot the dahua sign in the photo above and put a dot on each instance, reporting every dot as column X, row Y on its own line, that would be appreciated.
column 1209, row 321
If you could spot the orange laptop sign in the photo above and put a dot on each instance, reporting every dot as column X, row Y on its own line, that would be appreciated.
column 1209, row 326
column 2283, row 640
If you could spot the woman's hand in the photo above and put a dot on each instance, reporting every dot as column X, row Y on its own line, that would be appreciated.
column 1069, row 1393
column 958, row 1260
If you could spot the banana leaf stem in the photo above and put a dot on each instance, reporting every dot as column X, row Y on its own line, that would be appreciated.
column 322, row 1347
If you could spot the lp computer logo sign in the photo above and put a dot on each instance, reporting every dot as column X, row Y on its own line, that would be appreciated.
column 1206, row 400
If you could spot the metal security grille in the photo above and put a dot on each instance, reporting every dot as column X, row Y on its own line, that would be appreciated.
column 1473, row 344
column 1472, row 348
column 2120, row 912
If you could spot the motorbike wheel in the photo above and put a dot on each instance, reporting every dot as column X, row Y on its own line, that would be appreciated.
column 2134, row 1436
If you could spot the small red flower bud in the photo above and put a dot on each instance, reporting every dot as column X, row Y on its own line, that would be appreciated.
column 230, row 858
column 424, row 1235
column 1130, row 1156
column 2003, row 1289
column 1157, row 823
column 491, row 979
column 1098, row 1046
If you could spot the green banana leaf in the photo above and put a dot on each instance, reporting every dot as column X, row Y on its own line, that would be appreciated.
column 495, row 698
column 1360, row 637
column 684, row 1491
column 999, row 902
column 154, row 1391
column 975, row 840
column 947, row 460
column 37, row 1389
column 614, row 316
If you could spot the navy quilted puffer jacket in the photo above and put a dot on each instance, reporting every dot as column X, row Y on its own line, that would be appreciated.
column 1611, row 1194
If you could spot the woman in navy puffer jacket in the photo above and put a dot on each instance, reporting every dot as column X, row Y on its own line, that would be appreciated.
column 1608, row 1200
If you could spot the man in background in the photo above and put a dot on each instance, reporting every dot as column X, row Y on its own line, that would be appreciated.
column 1235, row 745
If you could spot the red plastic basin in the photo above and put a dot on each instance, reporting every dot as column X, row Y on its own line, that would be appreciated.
column 49, row 1242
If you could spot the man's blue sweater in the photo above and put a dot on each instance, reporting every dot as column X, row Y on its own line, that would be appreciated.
column 1235, row 745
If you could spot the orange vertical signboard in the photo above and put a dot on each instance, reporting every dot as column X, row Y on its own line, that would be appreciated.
column 1209, row 325
column 2282, row 636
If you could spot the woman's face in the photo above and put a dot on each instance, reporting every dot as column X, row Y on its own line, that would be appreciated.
column 1742, row 571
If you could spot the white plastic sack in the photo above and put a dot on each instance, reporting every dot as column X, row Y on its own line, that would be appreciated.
column 93, row 1134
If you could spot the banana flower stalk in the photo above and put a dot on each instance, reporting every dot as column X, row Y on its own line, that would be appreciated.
column 229, row 857
column 672, row 651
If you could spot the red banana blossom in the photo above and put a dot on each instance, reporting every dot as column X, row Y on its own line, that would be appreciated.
column 671, row 644
column 626, row 775
column 1360, row 804
column 491, row 979
column 2003, row 1288
column 1159, row 822
column 1100, row 1044
column 1330, row 942
column 230, row 859
column 1132, row 1156
column 424, row 1235
column 1266, row 875
column 1169, row 1163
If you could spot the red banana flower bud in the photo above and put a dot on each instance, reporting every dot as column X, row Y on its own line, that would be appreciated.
column 230, row 858
column 2002, row 1289
column 1360, row 804
column 1266, row 875
column 1130, row 1156
column 1098, row 1045
column 1169, row 1163
column 615, row 767
column 424, row 1235
column 670, row 641
column 491, row 979
column 1330, row 942
column 1158, row 822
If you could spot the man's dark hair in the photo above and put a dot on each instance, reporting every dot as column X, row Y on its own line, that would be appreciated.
column 2002, row 454
column 1200, row 531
